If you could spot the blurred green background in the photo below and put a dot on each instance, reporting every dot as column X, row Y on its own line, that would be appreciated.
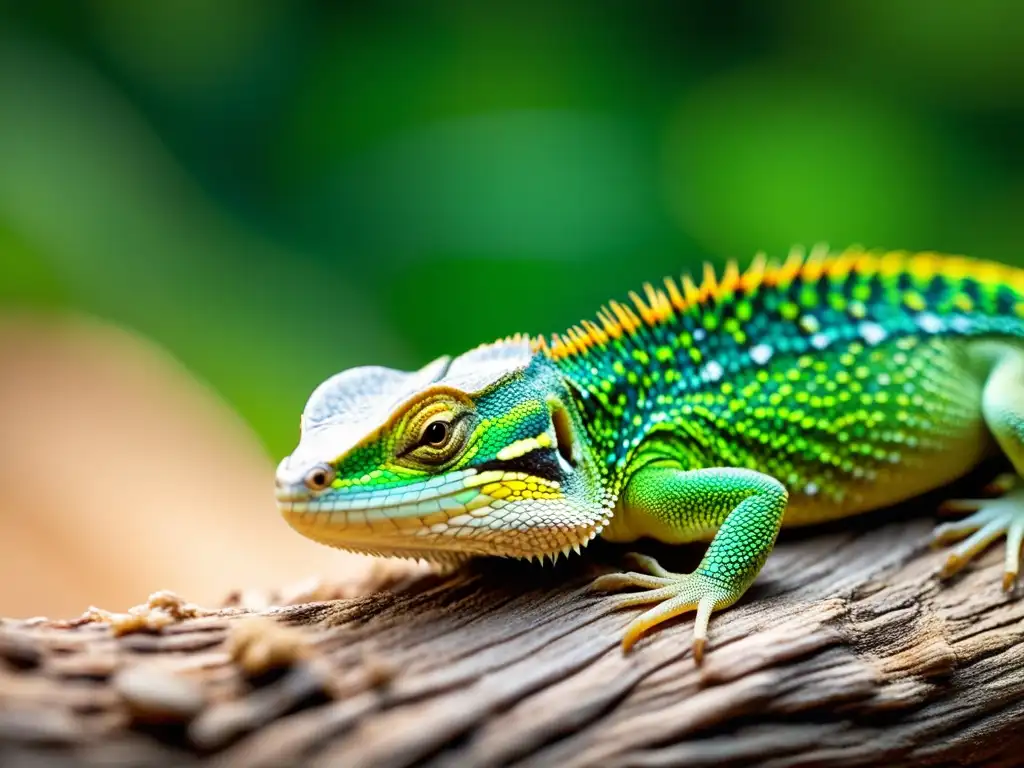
column 274, row 191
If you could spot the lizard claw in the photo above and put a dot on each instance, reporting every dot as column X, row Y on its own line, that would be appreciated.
column 991, row 519
column 673, row 593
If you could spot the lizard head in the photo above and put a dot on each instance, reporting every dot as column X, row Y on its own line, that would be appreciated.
column 483, row 454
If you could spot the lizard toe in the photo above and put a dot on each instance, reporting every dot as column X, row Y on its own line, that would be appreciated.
column 648, row 564
column 611, row 582
column 673, row 597
column 991, row 520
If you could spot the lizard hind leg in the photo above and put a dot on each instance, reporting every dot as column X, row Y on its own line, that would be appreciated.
column 1003, row 410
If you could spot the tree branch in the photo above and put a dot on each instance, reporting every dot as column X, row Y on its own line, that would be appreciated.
column 848, row 651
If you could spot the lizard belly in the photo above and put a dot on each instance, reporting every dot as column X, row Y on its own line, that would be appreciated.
column 915, row 475
column 930, row 440
column 911, row 422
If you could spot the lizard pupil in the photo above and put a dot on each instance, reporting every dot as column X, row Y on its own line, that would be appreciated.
column 436, row 433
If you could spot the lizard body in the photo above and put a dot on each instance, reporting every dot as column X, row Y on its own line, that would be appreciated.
column 788, row 394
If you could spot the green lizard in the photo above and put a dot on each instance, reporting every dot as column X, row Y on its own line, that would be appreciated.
column 790, row 394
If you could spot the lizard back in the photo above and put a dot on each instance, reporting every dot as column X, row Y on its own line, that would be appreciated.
column 831, row 372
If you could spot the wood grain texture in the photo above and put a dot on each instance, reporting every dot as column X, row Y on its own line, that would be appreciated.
column 848, row 651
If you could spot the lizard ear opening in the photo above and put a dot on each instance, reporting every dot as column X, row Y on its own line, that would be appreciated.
column 564, row 437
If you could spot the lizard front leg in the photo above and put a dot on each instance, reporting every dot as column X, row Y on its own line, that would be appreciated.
column 744, row 508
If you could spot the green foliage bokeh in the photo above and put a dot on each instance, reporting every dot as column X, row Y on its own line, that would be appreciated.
column 275, row 191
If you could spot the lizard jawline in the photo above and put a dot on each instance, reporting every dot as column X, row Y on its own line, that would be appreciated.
column 411, row 537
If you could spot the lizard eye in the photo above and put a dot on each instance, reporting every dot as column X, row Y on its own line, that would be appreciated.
column 436, row 434
column 439, row 440
column 319, row 478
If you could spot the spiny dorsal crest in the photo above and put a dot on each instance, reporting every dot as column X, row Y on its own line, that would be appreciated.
column 661, row 305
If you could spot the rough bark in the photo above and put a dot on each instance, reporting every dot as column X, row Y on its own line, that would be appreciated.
column 848, row 651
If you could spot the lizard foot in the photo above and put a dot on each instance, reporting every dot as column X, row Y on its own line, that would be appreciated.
column 674, row 593
column 991, row 519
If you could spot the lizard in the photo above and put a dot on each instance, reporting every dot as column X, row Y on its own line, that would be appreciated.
column 715, row 409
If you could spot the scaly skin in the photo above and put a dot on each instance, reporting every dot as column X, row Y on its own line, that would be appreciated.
column 791, row 394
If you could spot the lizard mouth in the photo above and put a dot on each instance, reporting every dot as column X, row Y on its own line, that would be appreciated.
column 462, row 513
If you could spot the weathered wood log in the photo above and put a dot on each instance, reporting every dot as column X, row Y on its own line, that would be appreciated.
column 848, row 651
